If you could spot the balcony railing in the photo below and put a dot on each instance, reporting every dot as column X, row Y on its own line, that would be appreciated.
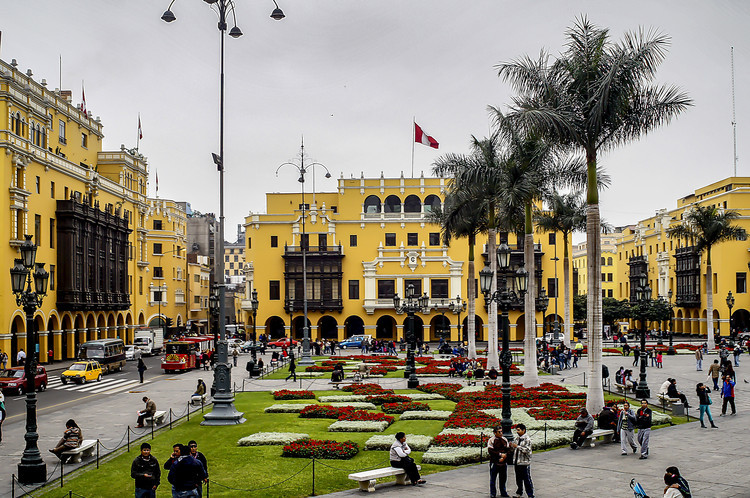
column 314, row 304
column 315, row 250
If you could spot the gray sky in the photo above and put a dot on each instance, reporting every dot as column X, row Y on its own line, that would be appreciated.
column 351, row 75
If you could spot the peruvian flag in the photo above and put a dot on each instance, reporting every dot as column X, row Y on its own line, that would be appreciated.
column 83, row 95
column 140, row 132
column 423, row 138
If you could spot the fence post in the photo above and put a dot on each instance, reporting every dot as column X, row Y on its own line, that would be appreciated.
column 313, row 477
column 481, row 438
column 128, row 439
column 584, row 379
column 97, row 452
column 202, row 402
column 62, row 472
column 188, row 412
column 545, row 434
column 208, row 488
column 153, row 423
column 170, row 418
column 13, row 486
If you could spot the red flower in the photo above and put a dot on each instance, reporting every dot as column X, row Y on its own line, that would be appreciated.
column 315, row 448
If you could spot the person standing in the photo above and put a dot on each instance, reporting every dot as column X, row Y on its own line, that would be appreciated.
column 21, row 358
column 3, row 414
column 736, row 353
column 235, row 354
column 584, row 427
column 704, row 401
column 51, row 357
column 292, row 370
column 146, row 472
column 698, row 360
column 727, row 392
column 636, row 355
column 522, row 462
column 400, row 459
column 141, row 368
column 643, row 422
column 626, row 428
column 186, row 474
column 3, row 360
column 148, row 412
column 659, row 359
column 193, row 447
column 497, row 447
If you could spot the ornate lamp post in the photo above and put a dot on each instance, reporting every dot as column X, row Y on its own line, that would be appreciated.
column 254, row 303
column 32, row 468
column 643, row 297
column 213, row 307
column 542, row 303
column 457, row 306
column 730, row 305
column 504, row 297
column 224, row 412
column 306, row 358
column 670, row 351
column 411, row 305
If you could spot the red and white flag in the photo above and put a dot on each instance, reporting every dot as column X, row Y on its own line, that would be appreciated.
column 83, row 94
column 140, row 132
column 423, row 138
column 157, row 183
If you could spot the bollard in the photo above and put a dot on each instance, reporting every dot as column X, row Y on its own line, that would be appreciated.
column 13, row 486
column 584, row 379
column 313, row 477
column 97, row 452
column 201, row 406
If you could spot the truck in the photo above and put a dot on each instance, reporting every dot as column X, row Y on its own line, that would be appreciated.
column 149, row 340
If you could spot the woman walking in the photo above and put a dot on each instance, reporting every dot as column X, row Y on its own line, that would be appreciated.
column 704, row 399
column 292, row 370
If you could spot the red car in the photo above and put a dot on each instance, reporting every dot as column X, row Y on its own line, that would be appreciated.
column 282, row 343
column 14, row 380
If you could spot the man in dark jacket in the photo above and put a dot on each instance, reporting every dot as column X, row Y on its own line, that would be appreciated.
column 608, row 421
column 672, row 392
column 643, row 422
column 186, row 474
column 146, row 472
column 193, row 447
column 497, row 447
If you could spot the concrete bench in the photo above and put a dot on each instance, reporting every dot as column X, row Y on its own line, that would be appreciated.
column 157, row 418
column 622, row 388
column 367, row 479
column 487, row 381
column 85, row 450
column 604, row 434
column 198, row 399
column 674, row 404
column 337, row 384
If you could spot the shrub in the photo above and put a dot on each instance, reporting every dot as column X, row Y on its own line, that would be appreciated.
column 321, row 448
column 287, row 394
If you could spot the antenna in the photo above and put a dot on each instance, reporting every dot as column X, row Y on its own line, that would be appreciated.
column 734, row 119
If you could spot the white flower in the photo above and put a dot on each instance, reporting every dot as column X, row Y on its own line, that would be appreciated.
column 471, row 389
column 417, row 442
column 422, row 396
column 355, row 405
column 342, row 398
column 358, row 426
column 425, row 415
column 660, row 418
column 287, row 407
column 452, row 455
column 520, row 416
column 268, row 438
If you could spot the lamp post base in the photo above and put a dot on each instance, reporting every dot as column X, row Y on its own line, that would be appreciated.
column 671, row 351
column 224, row 412
column 31, row 473
column 306, row 358
column 642, row 392
column 413, row 382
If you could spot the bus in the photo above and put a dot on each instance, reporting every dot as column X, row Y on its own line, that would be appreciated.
column 180, row 356
column 110, row 353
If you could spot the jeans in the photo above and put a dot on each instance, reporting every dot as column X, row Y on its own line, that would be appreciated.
column 707, row 410
column 643, row 436
column 736, row 360
column 523, row 478
column 699, row 364
column 498, row 470
column 729, row 400
column 716, row 383
column 185, row 494
column 145, row 493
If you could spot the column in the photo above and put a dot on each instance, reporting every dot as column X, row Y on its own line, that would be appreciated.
column 42, row 336
column 71, row 349
column 57, row 344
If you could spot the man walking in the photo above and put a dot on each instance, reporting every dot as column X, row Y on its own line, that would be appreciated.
column 626, row 428
column 146, row 472
column 727, row 392
column 497, row 447
column 522, row 462
column 643, row 422
column 714, row 371
column 698, row 360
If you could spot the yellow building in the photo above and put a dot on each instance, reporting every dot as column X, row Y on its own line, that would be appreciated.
column 367, row 241
column 609, row 265
column 674, row 266
column 198, row 291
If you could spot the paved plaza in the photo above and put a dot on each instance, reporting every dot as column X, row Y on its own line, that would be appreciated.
column 714, row 461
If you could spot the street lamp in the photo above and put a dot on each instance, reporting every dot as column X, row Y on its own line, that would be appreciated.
column 556, row 325
column 504, row 297
column 411, row 305
column 730, row 305
column 643, row 298
column 254, row 303
column 32, row 468
column 542, row 303
column 457, row 306
column 224, row 412
column 306, row 358
column 670, row 351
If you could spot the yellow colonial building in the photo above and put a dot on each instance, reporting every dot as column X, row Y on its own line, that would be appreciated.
column 609, row 264
column 366, row 241
column 677, row 271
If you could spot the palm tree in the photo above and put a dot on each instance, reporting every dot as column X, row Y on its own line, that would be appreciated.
column 707, row 226
column 566, row 214
column 595, row 96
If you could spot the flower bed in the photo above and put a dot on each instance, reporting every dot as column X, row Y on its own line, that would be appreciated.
column 428, row 415
column 422, row 397
column 358, row 426
column 355, row 405
column 288, row 407
column 332, row 363
column 325, row 411
column 342, row 398
column 271, row 438
column 451, row 455
column 387, row 398
column 316, row 368
column 445, row 389
column 402, row 407
column 371, row 389
column 363, row 415
column 287, row 394
column 416, row 442
column 462, row 440
column 471, row 419
column 432, row 370
column 317, row 448
column 382, row 370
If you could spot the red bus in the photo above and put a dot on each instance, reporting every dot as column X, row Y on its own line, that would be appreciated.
column 184, row 354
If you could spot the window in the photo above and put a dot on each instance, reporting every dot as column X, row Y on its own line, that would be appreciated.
column 609, row 277
column 552, row 238
column 609, row 292
column 439, row 288
column 84, row 141
column 158, row 272
column 352, row 241
column 434, row 238
column 196, row 278
column 304, row 241
column 157, row 225
column 158, row 296
column 61, row 132
column 417, row 283
column 274, row 241
column 38, row 185
column 249, row 243
column 609, row 261
column 603, row 277
column 604, row 261
column 157, row 248
column 552, row 287
column 274, row 293
column 386, row 289
column 52, row 233
column 322, row 241
column 231, row 266
column 412, row 239
column 390, row 239
column 52, row 189
column 236, row 258
column 37, row 229
column 51, row 277
column 196, row 299
column 140, row 286
column 353, row 289
column 741, row 282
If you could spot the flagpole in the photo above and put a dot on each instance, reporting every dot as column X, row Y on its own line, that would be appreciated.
column 138, row 135
column 413, row 139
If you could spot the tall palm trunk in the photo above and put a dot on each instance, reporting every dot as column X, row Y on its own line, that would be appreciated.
column 595, row 395
column 492, row 358
column 709, row 302
column 470, row 298
column 530, row 372
column 568, row 332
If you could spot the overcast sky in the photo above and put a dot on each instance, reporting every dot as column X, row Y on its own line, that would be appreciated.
column 351, row 75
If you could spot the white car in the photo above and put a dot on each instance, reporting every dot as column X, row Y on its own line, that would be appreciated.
column 132, row 353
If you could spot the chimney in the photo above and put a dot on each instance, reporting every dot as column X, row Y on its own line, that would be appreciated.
column 67, row 95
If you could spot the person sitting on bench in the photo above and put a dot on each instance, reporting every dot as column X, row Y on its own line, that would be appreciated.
column 584, row 428
column 607, row 420
column 338, row 373
column 492, row 374
column 479, row 373
column 72, row 438
column 400, row 459
column 672, row 392
column 148, row 412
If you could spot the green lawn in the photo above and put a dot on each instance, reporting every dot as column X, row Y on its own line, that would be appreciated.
column 251, row 468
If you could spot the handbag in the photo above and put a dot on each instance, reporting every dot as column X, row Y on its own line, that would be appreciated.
column 710, row 401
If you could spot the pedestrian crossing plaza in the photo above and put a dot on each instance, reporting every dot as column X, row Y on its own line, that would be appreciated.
column 106, row 385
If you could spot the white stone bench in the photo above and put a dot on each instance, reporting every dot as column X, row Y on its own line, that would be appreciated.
column 85, row 450
column 667, row 399
column 605, row 435
column 487, row 381
column 367, row 479
column 198, row 399
column 622, row 388
column 157, row 419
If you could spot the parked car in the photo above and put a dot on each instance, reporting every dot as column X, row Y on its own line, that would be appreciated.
column 282, row 343
column 245, row 347
column 132, row 352
column 82, row 372
column 234, row 343
column 354, row 341
column 13, row 380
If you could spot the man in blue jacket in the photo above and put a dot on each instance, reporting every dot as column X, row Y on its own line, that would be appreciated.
column 186, row 475
column 727, row 392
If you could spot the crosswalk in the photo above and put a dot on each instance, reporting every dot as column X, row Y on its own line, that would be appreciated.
column 107, row 385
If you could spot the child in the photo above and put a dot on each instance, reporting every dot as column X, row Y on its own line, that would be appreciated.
column 659, row 359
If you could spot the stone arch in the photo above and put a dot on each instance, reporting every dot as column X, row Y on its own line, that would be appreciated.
column 431, row 202
column 90, row 326
column 275, row 327
column 520, row 332
column 65, row 343
column 678, row 322
column 101, row 323
column 412, row 204
column 354, row 325
column 479, row 334
column 392, row 204
column 298, row 327
column 328, row 328
column 141, row 319
column 372, row 204
column 418, row 327
column 440, row 327
column 385, row 327
column 717, row 322
column 741, row 320
column 17, row 327
column 111, row 329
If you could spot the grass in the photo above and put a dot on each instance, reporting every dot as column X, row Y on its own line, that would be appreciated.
column 233, row 468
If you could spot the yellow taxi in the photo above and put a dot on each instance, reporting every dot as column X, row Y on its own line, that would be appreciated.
column 82, row 372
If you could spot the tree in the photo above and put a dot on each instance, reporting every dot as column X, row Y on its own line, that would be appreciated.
column 614, row 310
column 595, row 96
column 707, row 226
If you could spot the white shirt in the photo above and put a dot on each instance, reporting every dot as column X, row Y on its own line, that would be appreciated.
column 399, row 450
column 664, row 387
